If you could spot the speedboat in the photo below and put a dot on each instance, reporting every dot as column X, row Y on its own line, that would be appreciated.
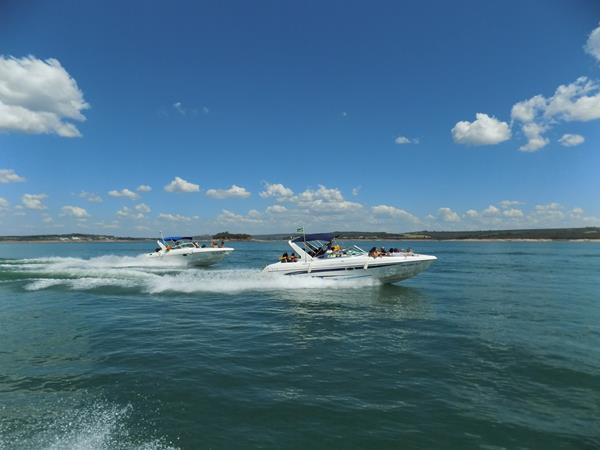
column 320, row 255
column 186, row 250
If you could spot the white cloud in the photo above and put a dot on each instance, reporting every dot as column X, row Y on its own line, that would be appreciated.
column 571, row 140
column 90, row 197
column 527, row 110
column 276, row 190
column 233, row 191
column 356, row 190
column 484, row 130
column 571, row 102
column 180, row 185
column 577, row 101
column 227, row 216
column 75, row 211
column 401, row 140
column 577, row 212
column 491, row 211
column 34, row 201
column 9, row 175
column 126, row 212
column 324, row 200
column 472, row 213
column 276, row 209
column 549, row 211
column 3, row 203
column 124, row 193
column 509, row 203
column 512, row 213
column 39, row 96
column 174, row 217
column 448, row 215
column 592, row 46
column 142, row 208
column 143, row 188
column 392, row 211
column 535, row 140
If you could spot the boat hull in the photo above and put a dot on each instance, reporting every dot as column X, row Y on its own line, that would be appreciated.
column 197, row 258
column 387, row 269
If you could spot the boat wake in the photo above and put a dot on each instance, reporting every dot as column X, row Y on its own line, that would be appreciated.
column 153, row 277
column 98, row 425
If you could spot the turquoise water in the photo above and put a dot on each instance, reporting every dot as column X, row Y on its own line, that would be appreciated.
column 497, row 345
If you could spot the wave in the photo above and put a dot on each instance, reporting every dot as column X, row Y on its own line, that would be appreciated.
column 100, row 425
column 153, row 277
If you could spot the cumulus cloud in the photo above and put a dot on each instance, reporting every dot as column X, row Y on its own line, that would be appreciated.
column 174, row 217
column 38, row 96
column 571, row 140
column 124, row 193
column 142, row 208
column 276, row 209
column 448, row 215
column 143, row 188
column 402, row 140
column 277, row 191
column 9, row 176
column 549, row 211
column 509, row 203
column 34, row 201
column 233, row 191
column 471, row 213
column 180, row 185
column 491, row 211
column 578, row 101
column 75, row 211
column 253, row 217
column 575, row 102
column 592, row 46
column 484, row 130
column 392, row 211
column 535, row 140
column 90, row 197
column 527, row 110
column 3, row 203
column 324, row 200
column 512, row 213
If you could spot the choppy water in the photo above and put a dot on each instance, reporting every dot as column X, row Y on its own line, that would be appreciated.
column 496, row 346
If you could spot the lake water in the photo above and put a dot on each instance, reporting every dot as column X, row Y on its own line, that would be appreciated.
column 497, row 345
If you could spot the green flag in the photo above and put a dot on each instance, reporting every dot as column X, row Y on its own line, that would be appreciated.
column 300, row 230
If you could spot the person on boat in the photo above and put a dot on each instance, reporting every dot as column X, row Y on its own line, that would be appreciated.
column 373, row 253
column 284, row 258
column 213, row 243
column 293, row 257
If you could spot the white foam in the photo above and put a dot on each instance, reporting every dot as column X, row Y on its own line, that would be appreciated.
column 99, row 426
column 151, row 276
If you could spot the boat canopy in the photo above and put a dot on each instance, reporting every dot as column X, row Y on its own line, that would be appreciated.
column 179, row 238
column 325, row 237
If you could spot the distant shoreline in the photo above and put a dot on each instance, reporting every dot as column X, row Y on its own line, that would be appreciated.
column 124, row 241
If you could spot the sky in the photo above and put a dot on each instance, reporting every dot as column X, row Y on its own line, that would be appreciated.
column 131, row 118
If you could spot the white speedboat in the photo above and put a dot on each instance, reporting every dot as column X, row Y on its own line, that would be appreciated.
column 321, row 256
column 187, row 250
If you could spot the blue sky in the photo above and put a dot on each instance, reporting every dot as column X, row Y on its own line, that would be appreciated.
column 262, row 116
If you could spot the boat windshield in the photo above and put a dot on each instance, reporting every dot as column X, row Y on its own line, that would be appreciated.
column 329, row 249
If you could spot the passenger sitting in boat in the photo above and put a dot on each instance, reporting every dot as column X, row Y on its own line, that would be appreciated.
column 284, row 258
column 293, row 258
column 374, row 253
column 213, row 243
column 222, row 244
